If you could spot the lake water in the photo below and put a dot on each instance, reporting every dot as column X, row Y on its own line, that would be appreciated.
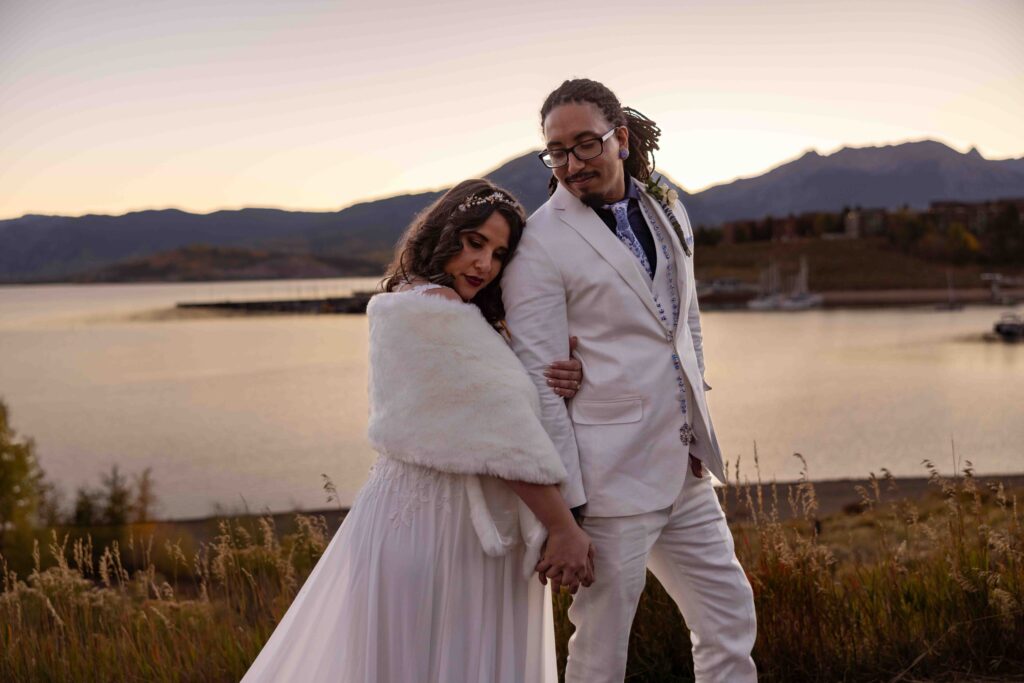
column 249, row 411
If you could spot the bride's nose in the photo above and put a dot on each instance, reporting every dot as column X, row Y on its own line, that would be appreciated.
column 483, row 263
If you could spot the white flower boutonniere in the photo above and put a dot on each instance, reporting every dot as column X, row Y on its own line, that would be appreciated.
column 655, row 189
column 667, row 197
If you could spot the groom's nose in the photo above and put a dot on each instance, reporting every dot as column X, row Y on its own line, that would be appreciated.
column 574, row 165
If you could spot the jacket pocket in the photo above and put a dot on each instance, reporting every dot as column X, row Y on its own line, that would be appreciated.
column 607, row 412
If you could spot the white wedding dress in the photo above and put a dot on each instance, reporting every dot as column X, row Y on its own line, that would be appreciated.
column 404, row 593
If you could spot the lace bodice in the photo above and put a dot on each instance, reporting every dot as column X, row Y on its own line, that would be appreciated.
column 413, row 485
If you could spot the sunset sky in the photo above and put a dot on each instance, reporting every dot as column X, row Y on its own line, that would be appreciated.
column 108, row 106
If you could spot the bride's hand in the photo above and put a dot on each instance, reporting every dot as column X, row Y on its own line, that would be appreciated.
column 565, row 376
column 568, row 559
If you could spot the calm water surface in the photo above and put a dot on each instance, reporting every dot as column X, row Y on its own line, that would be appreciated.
column 251, row 410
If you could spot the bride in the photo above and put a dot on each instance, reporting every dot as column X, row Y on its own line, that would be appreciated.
column 429, row 576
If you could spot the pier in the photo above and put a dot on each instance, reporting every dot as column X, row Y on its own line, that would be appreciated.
column 319, row 306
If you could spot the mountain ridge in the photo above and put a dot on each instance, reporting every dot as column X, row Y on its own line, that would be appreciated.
column 37, row 247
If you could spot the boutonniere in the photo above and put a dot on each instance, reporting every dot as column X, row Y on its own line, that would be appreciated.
column 667, row 197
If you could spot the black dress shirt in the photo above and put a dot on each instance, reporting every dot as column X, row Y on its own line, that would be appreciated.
column 636, row 221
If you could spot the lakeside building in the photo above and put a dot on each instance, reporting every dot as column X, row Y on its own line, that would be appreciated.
column 975, row 216
column 858, row 222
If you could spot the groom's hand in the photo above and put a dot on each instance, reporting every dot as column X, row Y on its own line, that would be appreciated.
column 572, row 583
column 568, row 559
column 565, row 376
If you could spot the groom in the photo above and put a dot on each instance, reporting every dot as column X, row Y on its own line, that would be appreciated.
column 609, row 259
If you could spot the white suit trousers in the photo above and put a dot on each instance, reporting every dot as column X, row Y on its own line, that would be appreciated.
column 689, row 548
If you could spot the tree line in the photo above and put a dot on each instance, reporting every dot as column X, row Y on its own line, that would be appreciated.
column 30, row 501
column 990, row 233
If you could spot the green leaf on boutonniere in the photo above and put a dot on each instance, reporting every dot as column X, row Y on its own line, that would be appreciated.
column 666, row 197
column 655, row 189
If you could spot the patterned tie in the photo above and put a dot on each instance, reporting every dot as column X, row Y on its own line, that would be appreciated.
column 625, row 233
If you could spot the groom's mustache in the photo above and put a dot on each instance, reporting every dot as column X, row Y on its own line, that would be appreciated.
column 579, row 176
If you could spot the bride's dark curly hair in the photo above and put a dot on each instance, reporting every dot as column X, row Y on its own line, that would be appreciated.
column 435, row 236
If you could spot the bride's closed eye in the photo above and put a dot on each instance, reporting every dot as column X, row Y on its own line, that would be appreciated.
column 477, row 244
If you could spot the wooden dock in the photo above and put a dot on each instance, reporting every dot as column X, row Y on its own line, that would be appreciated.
column 324, row 306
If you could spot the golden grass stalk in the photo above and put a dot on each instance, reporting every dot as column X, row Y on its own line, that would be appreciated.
column 898, row 590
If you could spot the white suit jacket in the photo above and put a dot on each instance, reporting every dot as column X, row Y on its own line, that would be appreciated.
column 619, row 437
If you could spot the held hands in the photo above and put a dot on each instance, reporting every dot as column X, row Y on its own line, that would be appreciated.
column 568, row 559
column 565, row 376
column 568, row 556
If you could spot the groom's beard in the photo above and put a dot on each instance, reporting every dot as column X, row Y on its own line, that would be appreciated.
column 591, row 199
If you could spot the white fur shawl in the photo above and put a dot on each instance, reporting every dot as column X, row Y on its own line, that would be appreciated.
column 447, row 392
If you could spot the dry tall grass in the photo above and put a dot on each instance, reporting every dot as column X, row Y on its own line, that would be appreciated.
column 900, row 590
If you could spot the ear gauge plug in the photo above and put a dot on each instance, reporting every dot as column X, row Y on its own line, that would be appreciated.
column 623, row 153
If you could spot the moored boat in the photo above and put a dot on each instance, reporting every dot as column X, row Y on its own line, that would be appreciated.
column 800, row 299
column 1010, row 327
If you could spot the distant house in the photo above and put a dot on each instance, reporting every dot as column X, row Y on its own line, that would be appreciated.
column 975, row 216
column 858, row 223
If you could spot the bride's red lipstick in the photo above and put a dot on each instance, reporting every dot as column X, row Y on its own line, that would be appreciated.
column 474, row 281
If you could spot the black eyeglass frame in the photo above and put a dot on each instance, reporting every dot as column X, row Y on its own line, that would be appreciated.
column 572, row 150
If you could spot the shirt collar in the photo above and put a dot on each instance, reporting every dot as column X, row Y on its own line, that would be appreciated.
column 631, row 192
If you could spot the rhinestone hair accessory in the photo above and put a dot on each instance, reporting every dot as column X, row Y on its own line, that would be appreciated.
column 492, row 198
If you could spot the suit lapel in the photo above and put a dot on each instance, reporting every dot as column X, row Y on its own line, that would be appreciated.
column 591, row 228
column 683, row 262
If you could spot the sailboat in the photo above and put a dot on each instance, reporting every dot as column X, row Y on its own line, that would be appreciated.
column 772, row 299
column 951, row 304
column 802, row 298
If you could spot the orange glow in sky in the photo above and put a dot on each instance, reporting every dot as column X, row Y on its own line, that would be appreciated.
column 112, row 105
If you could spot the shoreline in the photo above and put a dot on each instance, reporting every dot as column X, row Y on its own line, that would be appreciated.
column 839, row 496
column 835, row 496
column 867, row 299
column 879, row 298
column 913, row 297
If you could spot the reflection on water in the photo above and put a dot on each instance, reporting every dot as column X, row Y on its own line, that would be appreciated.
column 251, row 410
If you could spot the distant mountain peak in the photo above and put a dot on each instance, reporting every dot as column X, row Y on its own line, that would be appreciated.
column 915, row 173
column 926, row 148
column 912, row 173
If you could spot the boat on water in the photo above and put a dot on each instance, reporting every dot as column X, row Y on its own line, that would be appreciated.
column 799, row 299
column 770, row 298
column 1010, row 327
column 802, row 301
column 726, row 292
column 768, row 302
column 951, row 304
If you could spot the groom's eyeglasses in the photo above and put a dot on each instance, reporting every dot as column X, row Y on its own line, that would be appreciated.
column 588, row 149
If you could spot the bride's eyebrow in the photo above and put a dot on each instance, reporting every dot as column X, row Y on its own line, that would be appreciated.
column 485, row 238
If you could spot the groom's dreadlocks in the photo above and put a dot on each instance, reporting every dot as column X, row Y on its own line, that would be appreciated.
column 643, row 132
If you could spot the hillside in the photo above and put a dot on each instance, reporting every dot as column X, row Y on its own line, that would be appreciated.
column 56, row 247
column 913, row 174
column 40, row 248
column 201, row 263
column 835, row 265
